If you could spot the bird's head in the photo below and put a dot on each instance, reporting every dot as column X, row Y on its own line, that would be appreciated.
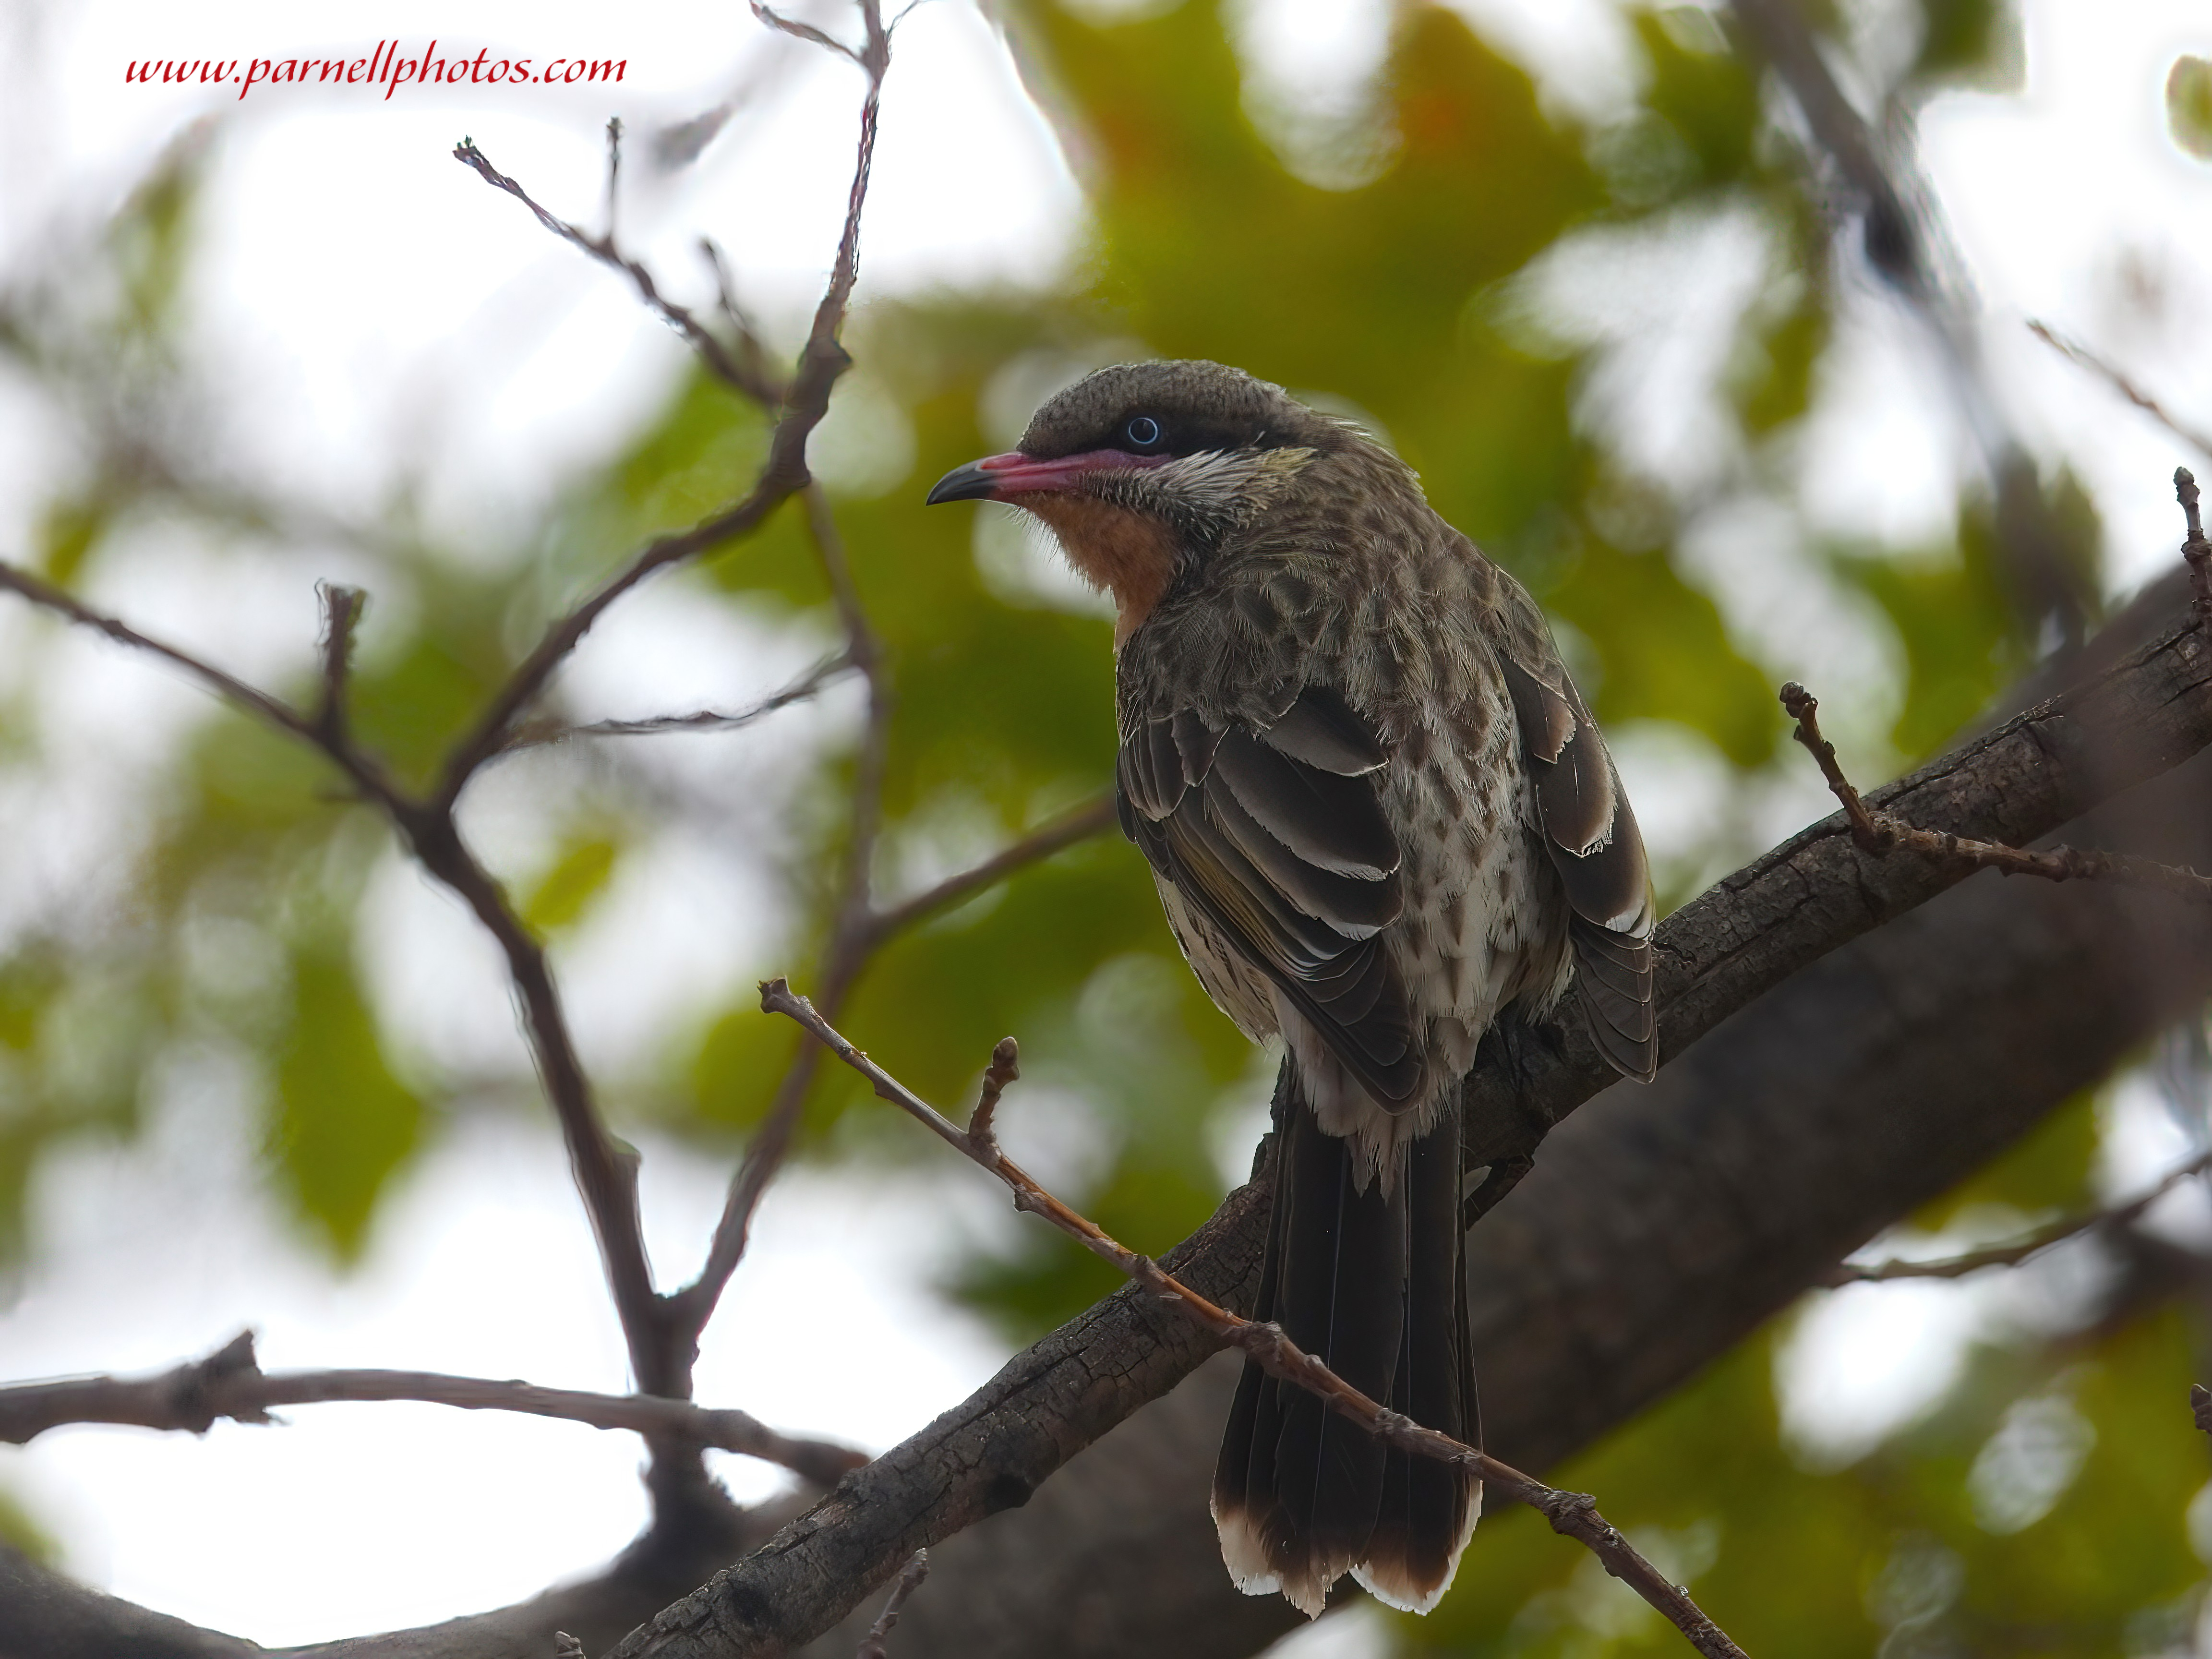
column 1142, row 469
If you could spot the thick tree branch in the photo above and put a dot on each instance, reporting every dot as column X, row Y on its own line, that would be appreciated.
column 230, row 1384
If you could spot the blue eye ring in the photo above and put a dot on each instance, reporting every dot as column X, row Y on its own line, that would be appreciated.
column 1144, row 431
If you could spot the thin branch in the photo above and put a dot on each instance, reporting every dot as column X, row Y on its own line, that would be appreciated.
column 1005, row 1068
column 876, row 1644
column 854, row 931
column 1883, row 833
column 341, row 609
column 772, row 1141
column 535, row 734
column 807, row 32
column 605, row 1177
column 274, row 710
column 783, row 475
column 759, row 381
column 614, row 173
column 2034, row 1244
column 1572, row 1513
column 697, row 334
column 2121, row 384
column 853, row 935
column 1091, row 818
column 229, row 1383
column 2195, row 552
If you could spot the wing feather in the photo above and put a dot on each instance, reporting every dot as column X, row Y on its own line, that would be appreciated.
column 1277, row 836
column 1591, row 833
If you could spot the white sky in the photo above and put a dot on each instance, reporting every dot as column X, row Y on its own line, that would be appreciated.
column 382, row 315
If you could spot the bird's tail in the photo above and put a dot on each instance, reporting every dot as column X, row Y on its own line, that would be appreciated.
column 1373, row 1285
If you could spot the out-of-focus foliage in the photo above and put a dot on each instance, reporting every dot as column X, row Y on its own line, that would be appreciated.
column 1394, row 270
column 2189, row 105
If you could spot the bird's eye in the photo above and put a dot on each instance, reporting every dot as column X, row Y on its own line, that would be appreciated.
column 1144, row 431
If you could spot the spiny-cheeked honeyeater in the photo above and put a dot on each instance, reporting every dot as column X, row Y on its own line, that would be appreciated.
column 1378, row 811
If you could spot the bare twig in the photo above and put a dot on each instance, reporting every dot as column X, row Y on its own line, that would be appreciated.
column 807, row 32
column 614, row 173
column 1572, row 1513
column 605, row 1178
column 853, row 934
column 784, row 474
column 876, row 1644
column 341, row 609
column 1883, row 833
column 697, row 334
column 1091, row 818
column 274, row 711
column 1005, row 1068
column 855, row 929
column 2195, row 552
column 2034, row 1244
column 533, row 734
column 757, row 380
column 2121, row 384
column 772, row 1141
column 229, row 1383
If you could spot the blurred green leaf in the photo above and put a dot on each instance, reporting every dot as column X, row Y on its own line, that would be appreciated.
column 344, row 1125
column 19, row 1530
column 579, row 875
column 1973, row 41
column 67, row 531
column 2189, row 105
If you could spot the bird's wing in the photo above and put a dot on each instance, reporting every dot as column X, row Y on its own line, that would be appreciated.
column 1591, row 834
column 1276, row 835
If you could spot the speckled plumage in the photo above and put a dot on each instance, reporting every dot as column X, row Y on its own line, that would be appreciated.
column 1377, row 811
column 1354, row 584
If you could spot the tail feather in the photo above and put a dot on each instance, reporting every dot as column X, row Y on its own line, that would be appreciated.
column 1429, row 1508
column 1372, row 1284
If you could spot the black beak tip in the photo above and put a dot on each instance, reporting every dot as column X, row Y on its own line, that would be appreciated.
column 963, row 483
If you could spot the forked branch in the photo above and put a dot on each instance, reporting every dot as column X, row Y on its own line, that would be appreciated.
column 1574, row 1514
column 1885, row 833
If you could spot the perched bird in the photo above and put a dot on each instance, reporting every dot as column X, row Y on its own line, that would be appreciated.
column 1377, row 811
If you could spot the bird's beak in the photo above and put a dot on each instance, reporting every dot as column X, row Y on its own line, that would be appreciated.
column 978, row 481
column 1004, row 478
